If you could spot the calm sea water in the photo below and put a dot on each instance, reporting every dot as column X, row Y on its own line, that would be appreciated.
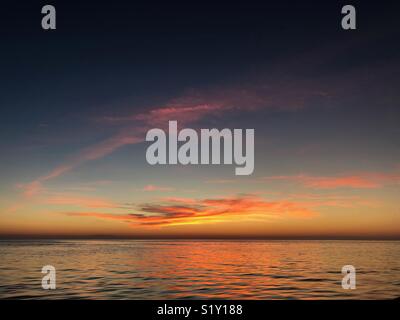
column 199, row 269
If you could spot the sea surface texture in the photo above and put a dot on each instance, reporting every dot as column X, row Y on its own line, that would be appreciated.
column 147, row 269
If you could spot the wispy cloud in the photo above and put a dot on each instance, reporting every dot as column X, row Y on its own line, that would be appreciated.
column 91, row 153
column 361, row 180
column 220, row 181
column 196, row 105
column 89, row 202
column 151, row 187
column 32, row 188
column 187, row 110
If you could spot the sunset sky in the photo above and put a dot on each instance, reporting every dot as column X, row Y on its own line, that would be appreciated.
column 77, row 102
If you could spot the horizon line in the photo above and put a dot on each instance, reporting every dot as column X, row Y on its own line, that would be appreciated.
column 243, row 238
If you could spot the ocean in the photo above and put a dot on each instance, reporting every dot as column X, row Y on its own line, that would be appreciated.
column 201, row 269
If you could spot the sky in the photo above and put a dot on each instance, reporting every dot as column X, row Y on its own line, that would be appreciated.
column 76, row 103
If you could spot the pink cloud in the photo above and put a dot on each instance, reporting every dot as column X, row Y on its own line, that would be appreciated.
column 362, row 180
column 90, row 202
column 91, row 153
column 187, row 110
column 220, row 181
column 31, row 189
column 151, row 187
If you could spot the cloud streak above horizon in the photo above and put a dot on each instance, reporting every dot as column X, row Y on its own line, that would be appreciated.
column 188, row 110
